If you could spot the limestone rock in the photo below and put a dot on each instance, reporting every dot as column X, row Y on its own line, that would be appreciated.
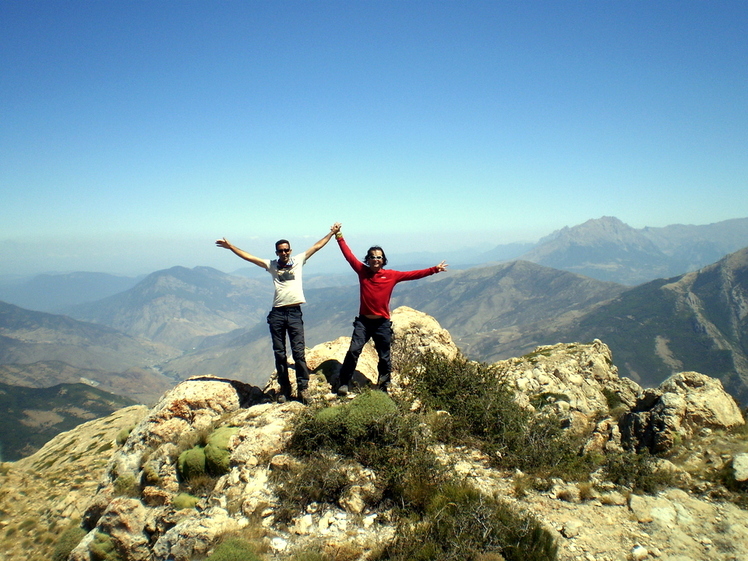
column 327, row 359
column 414, row 334
column 193, row 536
column 572, row 528
column 677, row 409
column 578, row 381
column 419, row 333
column 740, row 468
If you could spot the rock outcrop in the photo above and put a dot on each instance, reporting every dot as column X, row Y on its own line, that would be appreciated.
column 414, row 333
column 153, row 504
column 680, row 406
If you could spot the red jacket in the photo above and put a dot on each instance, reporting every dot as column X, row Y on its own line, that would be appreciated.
column 376, row 288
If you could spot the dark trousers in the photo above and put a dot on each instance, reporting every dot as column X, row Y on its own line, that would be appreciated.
column 380, row 330
column 282, row 321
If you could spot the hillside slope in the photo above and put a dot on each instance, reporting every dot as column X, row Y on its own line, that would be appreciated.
column 32, row 416
column 27, row 337
column 179, row 306
column 697, row 321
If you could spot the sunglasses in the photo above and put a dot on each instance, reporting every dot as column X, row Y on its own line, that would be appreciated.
column 282, row 251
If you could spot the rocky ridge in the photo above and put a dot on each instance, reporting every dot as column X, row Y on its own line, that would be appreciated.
column 135, row 507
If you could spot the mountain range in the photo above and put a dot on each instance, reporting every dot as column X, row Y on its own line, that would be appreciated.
column 27, row 337
column 179, row 307
column 183, row 322
column 696, row 321
column 608, row 249
column 55, row 292
column 605, row 249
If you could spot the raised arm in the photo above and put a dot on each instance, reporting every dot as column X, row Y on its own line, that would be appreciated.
column 355, row 264
column 224, row 243
column 334, row 229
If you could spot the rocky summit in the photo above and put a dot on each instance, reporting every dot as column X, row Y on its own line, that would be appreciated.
column 210, row 460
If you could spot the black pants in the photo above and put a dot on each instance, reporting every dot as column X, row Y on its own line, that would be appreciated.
column 380, row 330
column 289, row 320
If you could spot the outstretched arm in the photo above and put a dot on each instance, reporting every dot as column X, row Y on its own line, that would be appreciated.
column 347, row 253
column 334, row 229
column 420, row 273
column 224, row 243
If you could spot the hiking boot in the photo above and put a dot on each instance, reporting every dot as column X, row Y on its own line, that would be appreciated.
column 284, row 395
column 304, row 396
column 343, row 390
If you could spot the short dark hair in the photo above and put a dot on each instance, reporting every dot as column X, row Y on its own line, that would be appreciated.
column 281, row 242
column 376, row 247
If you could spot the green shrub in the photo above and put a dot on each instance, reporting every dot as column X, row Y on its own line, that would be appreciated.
column 151, row 475
column 102, row 548
column 234, row 549
column 462, row 524
column 123, row 434
column 126, row 486
column 353, row 421
column 320, row 479
column 616, row 407
column 370, row 430
column 637, row 471
column 184, row 500
column 351, row 429
column 210, row 456
column 483, row 413
column 67, row 542
column 217, row 455
column 191, row 463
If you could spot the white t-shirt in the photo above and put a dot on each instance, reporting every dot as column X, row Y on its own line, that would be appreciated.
column 287, row 281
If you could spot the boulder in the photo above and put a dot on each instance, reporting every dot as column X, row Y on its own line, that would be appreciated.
column 577, row 381
column 414, row 333
column 740, row 468
column 678, row 408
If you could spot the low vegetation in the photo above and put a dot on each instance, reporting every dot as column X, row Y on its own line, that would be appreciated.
column 67, row 541
column 462, row 524
column 442, row 517
column 373, row 432
column 637, row 471
column 483, row 413
column 390, row 454
column 234, row 549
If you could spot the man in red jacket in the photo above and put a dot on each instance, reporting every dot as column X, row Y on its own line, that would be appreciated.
column 373, row 321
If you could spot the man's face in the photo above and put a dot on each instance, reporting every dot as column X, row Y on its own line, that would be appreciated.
column 375, row 260
column 283, row 251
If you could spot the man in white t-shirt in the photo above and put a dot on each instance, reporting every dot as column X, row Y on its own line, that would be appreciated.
column 285, row 317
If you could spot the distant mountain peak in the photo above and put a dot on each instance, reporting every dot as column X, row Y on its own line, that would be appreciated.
column 608, row 249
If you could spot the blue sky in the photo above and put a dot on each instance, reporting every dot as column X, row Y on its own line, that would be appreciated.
column 132, row 134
